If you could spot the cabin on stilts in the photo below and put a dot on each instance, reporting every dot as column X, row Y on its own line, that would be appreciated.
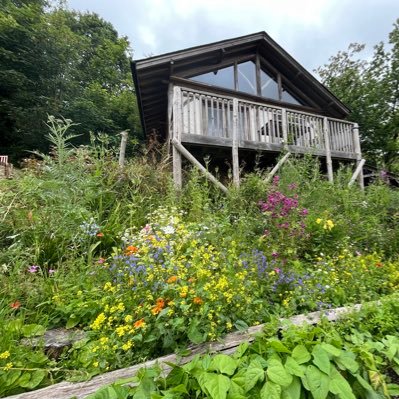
column 242, row 95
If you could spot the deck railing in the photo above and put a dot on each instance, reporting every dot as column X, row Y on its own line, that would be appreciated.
column 207, row 115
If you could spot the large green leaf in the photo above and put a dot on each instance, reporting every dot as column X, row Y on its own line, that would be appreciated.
column 346, row 361
column 270, row 391
column 217, row 385
column 36, row 378
column 321, row 359
column 293, row 391
column 339, row 386
column 292, row 366
column 301, row 354
column 331, row 349
column 33, row 330
column 224, row 364
column 278, row 374
column 254, row 373
column 317, row 381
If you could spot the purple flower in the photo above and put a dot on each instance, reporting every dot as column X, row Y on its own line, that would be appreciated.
column 292, row 186
column 51, row 271
column 304, row 212
column 275, row 254
column 276, row 180
column 277, row 270
column 33, row 269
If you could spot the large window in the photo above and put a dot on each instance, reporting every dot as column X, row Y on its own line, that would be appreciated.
column 222, row 78
column 242, row 77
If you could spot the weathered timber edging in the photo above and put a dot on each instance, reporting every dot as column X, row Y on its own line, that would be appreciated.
column 66, row 390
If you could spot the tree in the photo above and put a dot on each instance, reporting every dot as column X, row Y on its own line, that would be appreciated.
column 60, row 62
column 371, row 90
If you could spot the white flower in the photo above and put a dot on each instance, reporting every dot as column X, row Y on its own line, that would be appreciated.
column 168, row 229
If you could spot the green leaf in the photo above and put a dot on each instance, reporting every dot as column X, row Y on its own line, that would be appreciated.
column 346, row 362
column 194, row 334
column 36, row 377
column 317, row 381
column 236, row 390
column 293, row 391
column 240, row 351
column 278, row 346
column 331, row 349
column 277, row 373
column 33, row 330
column 270, row 391
column 224, row 364
column 292, row 366
column 321, row 359
column 339, row 386
column 254, row 373
column 240, row 325
column 301, row 354
column 393, row 389
column 72, row 322
column 217, row 385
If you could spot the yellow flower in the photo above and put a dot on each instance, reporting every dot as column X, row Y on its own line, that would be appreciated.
column 95, row 364
column 318, row 220
column 127, row 346
column 128, row 319
column 328, row 225
column 8, row 366
column 104, row 340
column 96, row 325
column 5, row 355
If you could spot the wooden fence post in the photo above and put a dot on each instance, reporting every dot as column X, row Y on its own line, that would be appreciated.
column 328, row 150
column 177, row 131
column 122, row 150
column 358, row 151
column 236, row 162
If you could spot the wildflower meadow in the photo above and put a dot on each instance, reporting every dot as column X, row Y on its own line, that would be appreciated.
column 144, row 270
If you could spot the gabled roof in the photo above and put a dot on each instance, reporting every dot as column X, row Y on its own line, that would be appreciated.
column 151, row 75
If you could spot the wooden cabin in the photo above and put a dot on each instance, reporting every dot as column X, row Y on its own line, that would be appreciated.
column 243, row 94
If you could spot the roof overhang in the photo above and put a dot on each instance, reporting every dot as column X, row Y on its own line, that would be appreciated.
column 152, row 75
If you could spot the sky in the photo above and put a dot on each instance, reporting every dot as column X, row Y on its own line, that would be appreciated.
column 310, row 30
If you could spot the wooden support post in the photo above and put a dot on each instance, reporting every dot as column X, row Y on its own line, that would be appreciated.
column 122, row 150
column 183, row 151
column 177, row 130
column 169, row 121
column 358, row 151
column 236, row 162
column 358, row 171
column 328, row 150
column 284, row 125
column 277, row 167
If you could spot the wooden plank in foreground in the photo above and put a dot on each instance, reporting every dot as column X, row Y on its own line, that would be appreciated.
column 66, row 390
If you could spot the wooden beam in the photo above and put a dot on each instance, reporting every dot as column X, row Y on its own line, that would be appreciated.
column 234, row 149
column 177, row 129
column 122, row 149
column 277, row 167
column 183, row 151
column 326, row 131
column 358, row 152
column 358, row 171
column 169, row 118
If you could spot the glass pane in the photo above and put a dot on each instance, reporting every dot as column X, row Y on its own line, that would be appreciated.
column 247, row 77
column 269, row 86
column 223, row 78
column 288, row 98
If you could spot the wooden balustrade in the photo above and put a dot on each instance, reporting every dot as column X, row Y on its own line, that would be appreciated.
column 207, row 118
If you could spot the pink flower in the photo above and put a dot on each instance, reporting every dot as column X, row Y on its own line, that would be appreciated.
column 275, row 254
column 33, row 269
column 277, row 270
column 276, row 180
column 101, row 260
column 51, row 271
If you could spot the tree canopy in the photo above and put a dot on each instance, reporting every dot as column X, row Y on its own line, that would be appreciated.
column 61, row 62
column 370, row 87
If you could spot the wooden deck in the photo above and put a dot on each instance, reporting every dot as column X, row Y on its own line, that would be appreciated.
column 207, row 119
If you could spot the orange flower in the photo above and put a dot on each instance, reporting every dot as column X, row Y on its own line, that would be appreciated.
column 191, row 280
column 198, row 301
column 139, row 323
column 131, row 249
column 100, row 234
column 378, row 264
column 158, row 307
column 171, row 279
column 15, row 305
column 183, row 294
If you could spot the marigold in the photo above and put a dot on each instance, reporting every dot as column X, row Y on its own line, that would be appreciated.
column 139, row 323
column 198, row 301
column 171, row 279
column 131, row 250
column 378, row 264
column 100, row 234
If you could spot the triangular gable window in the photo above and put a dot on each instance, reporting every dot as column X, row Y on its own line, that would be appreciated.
column 223, row 77
column 246, row 82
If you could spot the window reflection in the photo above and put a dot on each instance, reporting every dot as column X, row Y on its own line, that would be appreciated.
column 222, row 77
column 288, row 98
column 269, row 86
column 247, row 77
